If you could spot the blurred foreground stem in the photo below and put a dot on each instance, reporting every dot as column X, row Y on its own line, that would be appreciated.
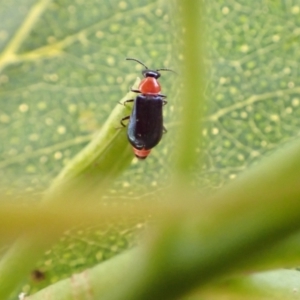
column 200, row 241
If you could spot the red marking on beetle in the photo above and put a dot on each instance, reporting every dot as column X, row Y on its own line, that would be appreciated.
column 142, row 153
column 149, row 86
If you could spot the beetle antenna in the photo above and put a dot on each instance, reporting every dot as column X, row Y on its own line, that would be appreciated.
column 166, row 69
column 128, row 58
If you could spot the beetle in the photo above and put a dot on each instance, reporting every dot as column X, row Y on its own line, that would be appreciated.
column 145, row 128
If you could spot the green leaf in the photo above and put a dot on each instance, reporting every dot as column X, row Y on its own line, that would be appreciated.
column 253, row 87
column 63, row 70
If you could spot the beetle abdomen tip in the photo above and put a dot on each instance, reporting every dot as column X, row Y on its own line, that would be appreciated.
column 142, row 153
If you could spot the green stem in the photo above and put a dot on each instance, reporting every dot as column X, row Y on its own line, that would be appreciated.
column 193, row 94
column 85, row 177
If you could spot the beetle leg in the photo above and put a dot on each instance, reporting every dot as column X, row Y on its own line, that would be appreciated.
column 124, row 103
column 164, row 129
column 135, row 91
column 123, row 119
column 161, row 95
